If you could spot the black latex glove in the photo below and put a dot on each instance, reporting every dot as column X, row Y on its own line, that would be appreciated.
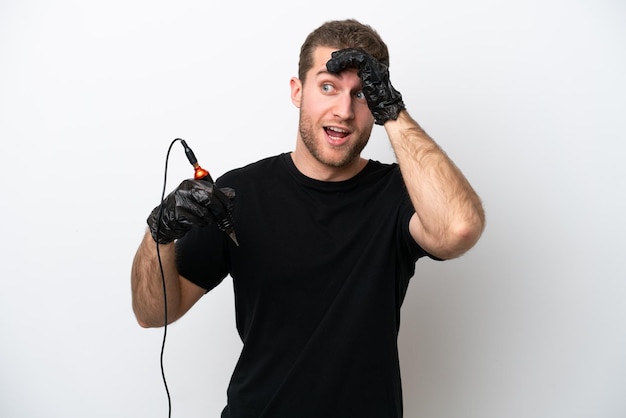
column 384, row 101
column 193, row 202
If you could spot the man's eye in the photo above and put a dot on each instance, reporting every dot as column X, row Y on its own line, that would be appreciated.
column 327, row 88
column 359, row 95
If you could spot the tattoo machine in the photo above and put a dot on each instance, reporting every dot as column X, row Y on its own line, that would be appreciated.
column 224, row 223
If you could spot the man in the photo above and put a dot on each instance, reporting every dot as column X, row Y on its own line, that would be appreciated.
column 327, row 241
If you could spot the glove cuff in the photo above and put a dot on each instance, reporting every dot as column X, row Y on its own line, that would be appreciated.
column 387, row 111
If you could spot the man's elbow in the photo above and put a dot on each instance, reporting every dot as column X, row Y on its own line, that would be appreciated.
column 145, row 324
column 461, row 237
column 467, row 234
column 148, row 321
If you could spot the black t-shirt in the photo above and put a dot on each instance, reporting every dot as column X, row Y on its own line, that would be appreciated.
column 319, row 276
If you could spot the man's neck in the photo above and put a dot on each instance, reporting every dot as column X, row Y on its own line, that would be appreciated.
column 312, row 168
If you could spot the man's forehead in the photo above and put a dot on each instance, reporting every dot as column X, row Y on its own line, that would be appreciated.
column 322, row 54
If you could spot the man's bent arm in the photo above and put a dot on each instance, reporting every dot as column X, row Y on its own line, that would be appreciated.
column 449, row 217
column 147, row 285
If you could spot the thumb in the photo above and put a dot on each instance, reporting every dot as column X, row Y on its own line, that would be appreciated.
column 228, row 192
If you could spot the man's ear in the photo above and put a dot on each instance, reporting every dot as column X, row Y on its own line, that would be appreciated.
column 296, row 91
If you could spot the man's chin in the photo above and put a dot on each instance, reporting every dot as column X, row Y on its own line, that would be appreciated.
column 337, row 161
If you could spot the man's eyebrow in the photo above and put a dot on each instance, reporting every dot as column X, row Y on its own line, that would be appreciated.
column 324, row 71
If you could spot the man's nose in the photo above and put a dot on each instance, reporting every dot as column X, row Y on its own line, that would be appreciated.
column 343, row 107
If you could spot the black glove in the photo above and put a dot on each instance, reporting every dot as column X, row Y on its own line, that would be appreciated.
column 194, row 202
column 384, row 101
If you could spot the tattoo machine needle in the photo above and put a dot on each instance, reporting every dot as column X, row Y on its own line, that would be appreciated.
column 226, row 222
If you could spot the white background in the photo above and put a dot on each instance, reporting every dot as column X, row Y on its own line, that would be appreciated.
column 527, row 97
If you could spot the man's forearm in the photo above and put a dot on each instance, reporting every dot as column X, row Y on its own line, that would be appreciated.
column 450, row 214
column 147, row 283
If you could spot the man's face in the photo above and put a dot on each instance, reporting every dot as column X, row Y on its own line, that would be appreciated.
column 335, row 122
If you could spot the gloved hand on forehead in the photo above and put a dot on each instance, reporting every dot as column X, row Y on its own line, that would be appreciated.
column 384, row 101
column 192, row 203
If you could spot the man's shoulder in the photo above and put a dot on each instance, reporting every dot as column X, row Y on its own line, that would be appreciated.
column 378, row 170
column 264, row 167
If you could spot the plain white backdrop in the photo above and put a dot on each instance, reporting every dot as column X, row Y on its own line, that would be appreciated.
column 527, row 97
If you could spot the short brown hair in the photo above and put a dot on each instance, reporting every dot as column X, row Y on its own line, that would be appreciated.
column 342, row 34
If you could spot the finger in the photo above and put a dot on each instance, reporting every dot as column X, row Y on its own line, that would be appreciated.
column 346, row 58
column 193, row 215
column 228, row 192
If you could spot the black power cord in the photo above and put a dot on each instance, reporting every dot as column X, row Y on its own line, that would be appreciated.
column 225, row 223
column 165, row 320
